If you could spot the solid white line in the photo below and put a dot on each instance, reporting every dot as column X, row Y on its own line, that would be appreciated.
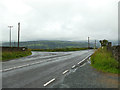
column 65, row 71
column 7, row 69
column 79, row 62
column 84, row 59
column 83, row 65
column 49, row 82
column 24, row 65
column 19, row 66
column 37, row 62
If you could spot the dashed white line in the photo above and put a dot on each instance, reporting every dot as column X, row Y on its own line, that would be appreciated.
column 49, row 82
column 73, row 66
column 65, row 71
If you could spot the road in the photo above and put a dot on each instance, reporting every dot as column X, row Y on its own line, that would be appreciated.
column 41, row 69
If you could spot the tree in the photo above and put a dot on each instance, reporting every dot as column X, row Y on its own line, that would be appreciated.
column 103, row 42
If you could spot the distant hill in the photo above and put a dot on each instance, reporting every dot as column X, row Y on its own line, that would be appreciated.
column 46, row 44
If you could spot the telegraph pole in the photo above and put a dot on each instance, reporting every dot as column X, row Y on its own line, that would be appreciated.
column 88, row 43
column 10, row 33
column 95, row 44
column 18, row 33
column 14, row 44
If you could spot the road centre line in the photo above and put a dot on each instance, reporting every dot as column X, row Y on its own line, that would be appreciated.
column 65, row 71
column 73, row 66
column 49, row 82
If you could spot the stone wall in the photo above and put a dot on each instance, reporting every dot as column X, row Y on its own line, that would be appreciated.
column 115, row 51
column 13, row 49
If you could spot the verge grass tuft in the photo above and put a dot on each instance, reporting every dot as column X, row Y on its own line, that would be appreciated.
column 103, row 60
column 7, row 55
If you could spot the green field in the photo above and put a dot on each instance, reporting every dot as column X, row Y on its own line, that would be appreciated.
column 7, row 55
column 47, row 44
column 60, row 49
column 104, row 61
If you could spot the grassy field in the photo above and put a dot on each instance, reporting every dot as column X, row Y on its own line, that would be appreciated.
column 60, row 49
column 104, row 61
column 7, row 55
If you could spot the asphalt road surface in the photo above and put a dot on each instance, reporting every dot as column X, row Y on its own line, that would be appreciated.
column 41, row 69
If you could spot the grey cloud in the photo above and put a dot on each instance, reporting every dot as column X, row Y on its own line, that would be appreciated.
column 61, row 19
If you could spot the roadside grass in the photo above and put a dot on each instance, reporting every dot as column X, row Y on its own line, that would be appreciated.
column 104, row 61
column 7, row 55
column 60, row 49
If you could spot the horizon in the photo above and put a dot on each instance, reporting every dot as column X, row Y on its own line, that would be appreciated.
column 61, row 40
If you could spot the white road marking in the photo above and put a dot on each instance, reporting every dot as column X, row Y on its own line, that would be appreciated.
column 18, row 67
column 84, row 59
column 49, row 82
column 83, row 65
column 7, row 69
column 73, row 66
column 65, row 71
column 35, row 63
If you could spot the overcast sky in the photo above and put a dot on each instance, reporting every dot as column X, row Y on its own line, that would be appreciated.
column 59, row 19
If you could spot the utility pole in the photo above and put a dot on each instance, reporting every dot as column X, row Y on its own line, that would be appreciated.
column 119, row 23
column 14, row 44
column 88, row 43
column 18, row 33
column 10, row 33
column 95, row 44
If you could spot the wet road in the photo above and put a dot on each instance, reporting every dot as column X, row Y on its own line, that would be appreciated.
column 88, row 77
column 41, row 69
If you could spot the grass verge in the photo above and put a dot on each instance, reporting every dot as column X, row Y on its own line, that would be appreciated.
column 60, row 49
column 7, row 55
column 104, row 61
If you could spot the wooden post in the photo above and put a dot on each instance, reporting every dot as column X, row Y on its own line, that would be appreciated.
column 10, row 34
column 88, row 43
column 95, row 45
column 18, row 33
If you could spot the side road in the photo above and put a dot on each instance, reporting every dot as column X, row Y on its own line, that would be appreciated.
column 88, row 77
